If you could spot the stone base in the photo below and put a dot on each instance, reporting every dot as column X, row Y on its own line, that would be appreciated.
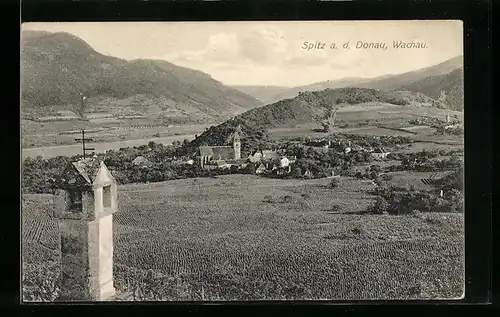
column 105, row 292
column 108, row 295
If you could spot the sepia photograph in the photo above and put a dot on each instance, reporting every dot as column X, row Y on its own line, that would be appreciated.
column 242, row 161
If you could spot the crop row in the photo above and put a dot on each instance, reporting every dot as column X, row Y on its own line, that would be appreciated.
column 32, row 228
column 369, row 271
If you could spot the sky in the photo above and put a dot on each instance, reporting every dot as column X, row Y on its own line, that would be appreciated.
column 271, row 53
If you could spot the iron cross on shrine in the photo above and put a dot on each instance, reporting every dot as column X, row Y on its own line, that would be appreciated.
column 83, row 139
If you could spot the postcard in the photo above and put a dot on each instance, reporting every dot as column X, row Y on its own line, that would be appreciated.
column 242, row 161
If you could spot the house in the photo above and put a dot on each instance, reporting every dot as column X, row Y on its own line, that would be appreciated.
column 284, row 162
column 269, row 155
column 255, row 157
column 217, row 164
column 283, row 170
column 141, row 161
column 357, row 148
column 184, row 162
column 239, row 163
column 261, row 169
column 206, row 154
column 380, row 153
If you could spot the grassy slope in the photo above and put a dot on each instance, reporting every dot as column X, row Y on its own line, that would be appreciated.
column 58, row 67
column 217, row 233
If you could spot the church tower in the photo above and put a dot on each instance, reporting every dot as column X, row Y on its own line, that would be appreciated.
column 84, row 205
column 237, row 146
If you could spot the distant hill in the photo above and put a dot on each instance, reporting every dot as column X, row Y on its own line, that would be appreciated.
column 266, row 94
column 398, row 81
column 301, row 109
column 58, row 69
column 386, row 82
column 452, row 84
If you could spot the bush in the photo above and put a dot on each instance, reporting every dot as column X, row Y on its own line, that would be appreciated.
column 335, row 208
column 380, row 207
column 268, row 199
column 387, row 177
column 334, row 183
column 287, row 199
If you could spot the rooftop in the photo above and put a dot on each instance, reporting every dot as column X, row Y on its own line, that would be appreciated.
column 82, row 173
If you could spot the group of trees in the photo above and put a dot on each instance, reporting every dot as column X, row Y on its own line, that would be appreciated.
column 39, row 175
column 406, row 200
column 375, row 173
column 164, row 163
column 456, row 130
column 401, row 200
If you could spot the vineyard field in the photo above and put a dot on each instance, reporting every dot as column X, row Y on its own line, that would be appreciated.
column 220, row 239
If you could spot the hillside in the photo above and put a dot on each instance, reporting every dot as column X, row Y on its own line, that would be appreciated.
column 386, row 82
column 452, row 84
column 302, row 109
column 329, row 84
column 57, row 69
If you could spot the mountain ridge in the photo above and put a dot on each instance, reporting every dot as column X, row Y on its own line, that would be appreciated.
column 58, row 69
column 386, row 82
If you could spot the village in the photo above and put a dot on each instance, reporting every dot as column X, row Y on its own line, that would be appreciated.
column 266, row 161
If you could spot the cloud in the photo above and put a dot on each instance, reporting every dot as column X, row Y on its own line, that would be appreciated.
column 259, row 46
column 298, row 57
column 264, row 45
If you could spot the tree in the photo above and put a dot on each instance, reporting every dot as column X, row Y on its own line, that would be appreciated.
column 297, row 172
column 380, row 207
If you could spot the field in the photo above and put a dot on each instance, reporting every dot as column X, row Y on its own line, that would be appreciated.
column 102, row 129
column 366, row 119
column 219, row 239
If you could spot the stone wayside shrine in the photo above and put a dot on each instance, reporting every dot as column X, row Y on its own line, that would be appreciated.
column 85, row 201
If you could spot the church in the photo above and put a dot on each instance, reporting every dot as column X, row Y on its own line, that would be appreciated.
column 210, row 155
